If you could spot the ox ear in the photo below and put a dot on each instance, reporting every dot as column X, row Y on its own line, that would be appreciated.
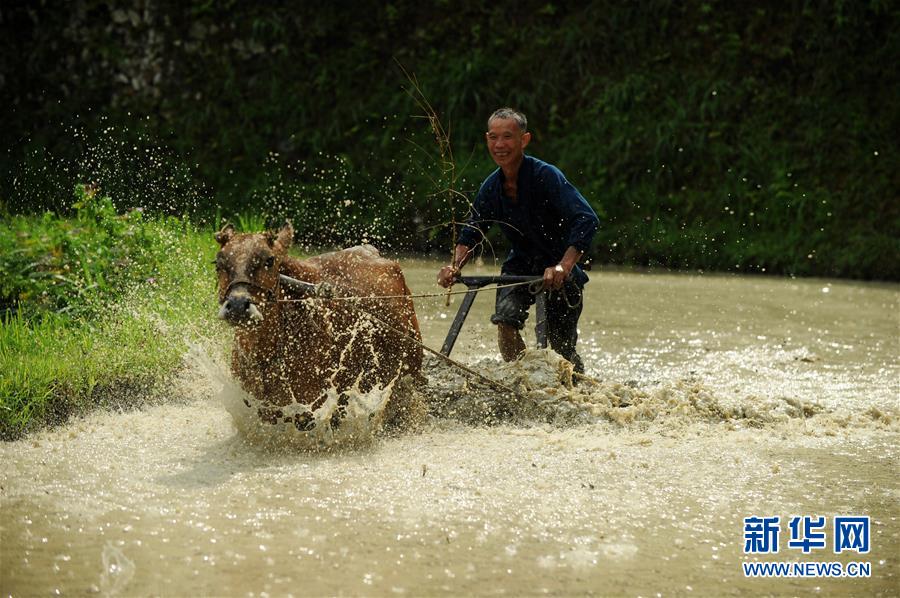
column 284, row 237
column 225, row 235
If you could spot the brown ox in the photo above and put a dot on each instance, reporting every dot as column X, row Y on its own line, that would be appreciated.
column 288, row 351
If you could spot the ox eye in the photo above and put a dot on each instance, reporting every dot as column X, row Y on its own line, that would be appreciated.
column 270, row 261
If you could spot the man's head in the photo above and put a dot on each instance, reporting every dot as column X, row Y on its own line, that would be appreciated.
column 507, row 136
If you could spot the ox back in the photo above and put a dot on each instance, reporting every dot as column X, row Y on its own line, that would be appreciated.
column 297, row 350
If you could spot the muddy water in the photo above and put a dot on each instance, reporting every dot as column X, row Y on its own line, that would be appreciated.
column 715, row 398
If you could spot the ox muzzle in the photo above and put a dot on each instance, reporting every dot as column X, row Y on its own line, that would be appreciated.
column 239, row 308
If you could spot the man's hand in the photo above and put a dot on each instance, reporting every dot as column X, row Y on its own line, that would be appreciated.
column 447, row 276
column 449, row 273
column 555, row 277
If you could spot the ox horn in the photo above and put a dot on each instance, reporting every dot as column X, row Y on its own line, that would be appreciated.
column 225, row 235
column 305, row 289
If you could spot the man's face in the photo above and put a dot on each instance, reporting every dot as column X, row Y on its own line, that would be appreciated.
column 506, row 142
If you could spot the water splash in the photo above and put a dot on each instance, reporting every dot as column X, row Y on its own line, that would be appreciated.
column 546, row 392
column 118, row 570
column 362, row 418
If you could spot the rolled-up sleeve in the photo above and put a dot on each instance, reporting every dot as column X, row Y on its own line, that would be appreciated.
column 580, row 219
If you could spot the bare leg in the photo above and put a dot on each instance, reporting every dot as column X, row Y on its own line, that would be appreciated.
column 511, row 344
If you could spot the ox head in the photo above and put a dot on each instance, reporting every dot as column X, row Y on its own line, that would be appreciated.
column 247, row 266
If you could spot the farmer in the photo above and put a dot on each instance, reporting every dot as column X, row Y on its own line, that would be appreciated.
column 549, row 226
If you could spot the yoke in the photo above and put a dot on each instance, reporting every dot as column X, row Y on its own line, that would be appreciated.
column 475, row 284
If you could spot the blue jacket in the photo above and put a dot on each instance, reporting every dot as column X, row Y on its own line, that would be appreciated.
column 548, row 216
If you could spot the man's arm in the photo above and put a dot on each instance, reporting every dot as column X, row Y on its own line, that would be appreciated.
column 581, row 220
column 448, row 273
column 471, row 234
column 555, row 276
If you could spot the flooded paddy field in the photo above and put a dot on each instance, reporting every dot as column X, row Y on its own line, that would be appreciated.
column 714, row 398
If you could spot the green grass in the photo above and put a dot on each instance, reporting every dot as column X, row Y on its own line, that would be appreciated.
column 115, row 326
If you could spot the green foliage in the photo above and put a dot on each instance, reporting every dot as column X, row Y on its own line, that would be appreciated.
column 706, row 134
column 96, row 305
column 78, row 265
column 249, row 222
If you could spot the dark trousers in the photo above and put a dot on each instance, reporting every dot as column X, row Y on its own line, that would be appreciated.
column 563, row 310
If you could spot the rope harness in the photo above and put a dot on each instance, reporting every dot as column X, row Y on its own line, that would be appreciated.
column 273, row 292
column 565, row 296
column 489, row 381
column 327, row 292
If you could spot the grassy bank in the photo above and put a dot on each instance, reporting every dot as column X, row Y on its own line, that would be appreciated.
column 97, row 308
